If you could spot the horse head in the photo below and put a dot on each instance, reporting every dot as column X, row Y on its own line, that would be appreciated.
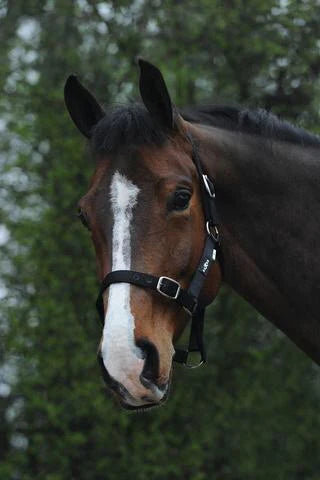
column 145, row 214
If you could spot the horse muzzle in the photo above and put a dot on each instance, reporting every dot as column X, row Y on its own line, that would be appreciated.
column 137, row 384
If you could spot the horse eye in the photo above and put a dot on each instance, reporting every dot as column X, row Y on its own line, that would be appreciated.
column 83, row 218
column 180, row 200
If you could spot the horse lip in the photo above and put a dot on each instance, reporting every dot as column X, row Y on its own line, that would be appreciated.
column 121, row 394
column 147, row 406
column 132, row 408
column 144, row 407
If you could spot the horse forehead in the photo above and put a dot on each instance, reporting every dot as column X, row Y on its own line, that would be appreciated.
column 142, row 166
column 169, row 157
column 147, row 163
column 123, row 192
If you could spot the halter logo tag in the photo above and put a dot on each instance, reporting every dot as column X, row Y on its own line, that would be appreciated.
column 205, row 266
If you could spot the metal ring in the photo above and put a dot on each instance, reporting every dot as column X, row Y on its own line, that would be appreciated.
column 207, row 185
column 215, row 234
column 188, row 365
column 177, row 284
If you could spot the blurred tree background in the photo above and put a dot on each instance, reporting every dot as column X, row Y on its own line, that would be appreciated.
column 253, row 411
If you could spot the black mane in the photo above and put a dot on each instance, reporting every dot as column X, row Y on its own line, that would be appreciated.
column 131, row 125
column 254, row 122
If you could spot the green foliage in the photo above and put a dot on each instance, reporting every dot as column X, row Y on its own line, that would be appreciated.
column 252, row 412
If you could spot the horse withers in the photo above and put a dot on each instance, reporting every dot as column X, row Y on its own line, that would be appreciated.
column 148, row 210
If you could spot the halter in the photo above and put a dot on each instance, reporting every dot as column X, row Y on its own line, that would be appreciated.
column 170, row 288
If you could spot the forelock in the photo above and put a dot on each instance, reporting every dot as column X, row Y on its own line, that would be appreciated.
column 126, row 126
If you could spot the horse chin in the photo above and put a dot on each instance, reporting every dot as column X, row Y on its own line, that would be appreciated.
column 145, row 407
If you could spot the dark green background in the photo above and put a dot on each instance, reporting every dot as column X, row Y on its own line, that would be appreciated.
column 252, row 413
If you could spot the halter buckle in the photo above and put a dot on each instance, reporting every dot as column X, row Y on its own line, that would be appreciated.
column 169, row 283
column 213, row 231
column 209, row 185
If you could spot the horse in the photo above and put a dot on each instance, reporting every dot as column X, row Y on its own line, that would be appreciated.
column 147, row 209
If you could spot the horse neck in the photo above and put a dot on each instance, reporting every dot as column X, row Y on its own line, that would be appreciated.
column 265, row 191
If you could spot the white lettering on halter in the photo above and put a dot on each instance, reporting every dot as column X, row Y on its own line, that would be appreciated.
column 205, row 266
column 120, row 355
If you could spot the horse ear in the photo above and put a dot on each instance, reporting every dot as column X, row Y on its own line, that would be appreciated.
column 84, row 109
column 154, row 94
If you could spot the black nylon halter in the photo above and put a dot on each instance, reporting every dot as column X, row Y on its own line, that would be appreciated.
column 188, row 299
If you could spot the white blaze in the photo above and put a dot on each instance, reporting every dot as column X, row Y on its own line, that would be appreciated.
column 119, row 352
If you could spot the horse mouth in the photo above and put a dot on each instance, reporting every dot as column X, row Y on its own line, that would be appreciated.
column 144, row 407
column 123, row 397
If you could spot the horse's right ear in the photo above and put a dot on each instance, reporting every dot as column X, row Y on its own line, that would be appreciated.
column 84, row 109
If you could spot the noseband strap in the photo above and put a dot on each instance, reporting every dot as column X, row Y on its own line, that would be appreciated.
column 165, row 286
column 188, row 299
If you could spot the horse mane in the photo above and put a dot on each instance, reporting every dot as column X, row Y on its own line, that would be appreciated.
column 255, row 122
column 131, row 125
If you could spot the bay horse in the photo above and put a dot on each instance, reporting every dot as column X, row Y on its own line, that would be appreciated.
column 145, row 210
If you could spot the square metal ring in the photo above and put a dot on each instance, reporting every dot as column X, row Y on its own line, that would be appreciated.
column 177, row 284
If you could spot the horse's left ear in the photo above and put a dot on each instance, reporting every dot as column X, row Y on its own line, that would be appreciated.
column 84, row 109
column 155, row 95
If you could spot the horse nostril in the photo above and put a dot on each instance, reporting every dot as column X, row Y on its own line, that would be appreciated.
column 150, row 370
